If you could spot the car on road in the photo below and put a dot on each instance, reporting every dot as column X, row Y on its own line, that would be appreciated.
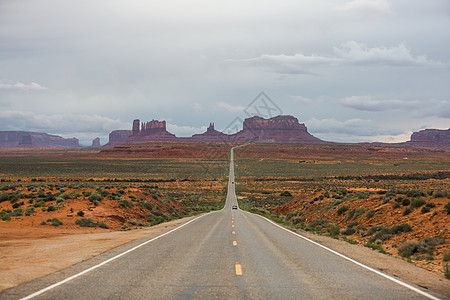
column 234, row 207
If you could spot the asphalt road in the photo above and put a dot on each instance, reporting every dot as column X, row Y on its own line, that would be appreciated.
column 228, row 254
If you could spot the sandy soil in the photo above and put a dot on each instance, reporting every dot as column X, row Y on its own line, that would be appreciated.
column 30, row 254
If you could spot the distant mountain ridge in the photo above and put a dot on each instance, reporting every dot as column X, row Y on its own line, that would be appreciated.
column 13, row 139
column 279, row 129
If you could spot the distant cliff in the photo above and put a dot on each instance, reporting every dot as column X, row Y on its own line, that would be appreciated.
column 433, row 138
column 11, row 139
column 280, row 129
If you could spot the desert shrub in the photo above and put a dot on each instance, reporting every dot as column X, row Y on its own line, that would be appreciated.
column 39, row 203
column 17, row 212
column 447, row 208
column 132, row 197
column 446, row 256
column 430, row 205
column 56, row 222
column 424, row 257
column 374, row 246
column 4, row 215
column 426, row 245
column 404, row 227
column 360, row 211
column 86, row 222
column 348, row 231
column 440, row 194
column 297, row 220
column 425, row 209
column 285, row 194
column 43, row 223
column 406, row 202
column 342, row 210
column 350, row 215
column 333, row 229
column 126, row 203
column 370, row 214
column 413, row 193
column 80, row 213
column 407, row 211
column 318, row 223
column 30, row 209
column 146, row 204
column 102, row 224
column 396, row 205
column 52, row 207
column 94, row 196
column 417, row 202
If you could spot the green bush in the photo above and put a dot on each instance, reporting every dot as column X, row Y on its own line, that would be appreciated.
column 126, row 203
column 426, row 245
column 56, row 222
column 80, row 213
column 447, row 208
column 417, row 202
column 406, row 202
column 285, row 194
column 52, row 207
column 348, row 231
column 94, row 196
column 17, row 212
column 102, row 224
column 333, row 229
column 30, row 209
column 342, row 210
column 86, row 222
column 370, row 214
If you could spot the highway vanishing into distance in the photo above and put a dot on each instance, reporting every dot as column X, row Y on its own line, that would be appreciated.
column 227, row 254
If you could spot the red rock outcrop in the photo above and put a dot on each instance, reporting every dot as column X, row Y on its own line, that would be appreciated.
column 116, row 137
column 11, row 139
column 280, row 129
column 434, row 138
column 96, row 142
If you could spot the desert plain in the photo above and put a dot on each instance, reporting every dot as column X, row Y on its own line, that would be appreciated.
column 62, row 206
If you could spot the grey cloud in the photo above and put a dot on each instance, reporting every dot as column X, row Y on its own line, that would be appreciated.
column 22, row 86
column 364, row 8
column 348, row 53
column 359, row 53
column 424, row 108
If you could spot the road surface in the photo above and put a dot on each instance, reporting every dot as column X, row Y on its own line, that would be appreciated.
column 228, row 254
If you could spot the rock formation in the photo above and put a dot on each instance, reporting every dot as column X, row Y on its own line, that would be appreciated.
column 211, row 135
column 116, row 137
column 11, row 139
column 280, row 129
column 96, row 142
column 434, row 138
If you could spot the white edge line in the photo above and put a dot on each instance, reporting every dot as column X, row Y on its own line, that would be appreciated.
column 356, row 262
column 108, row 260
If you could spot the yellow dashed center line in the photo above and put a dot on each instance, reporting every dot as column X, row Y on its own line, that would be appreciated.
column 238, row 269
column 234, row 243
column 233, row 232
column 232, row 225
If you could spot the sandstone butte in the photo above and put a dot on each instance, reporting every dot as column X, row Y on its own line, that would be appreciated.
column 279, row 129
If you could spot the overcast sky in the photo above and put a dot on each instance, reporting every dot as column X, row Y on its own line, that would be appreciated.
column 351, row 70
